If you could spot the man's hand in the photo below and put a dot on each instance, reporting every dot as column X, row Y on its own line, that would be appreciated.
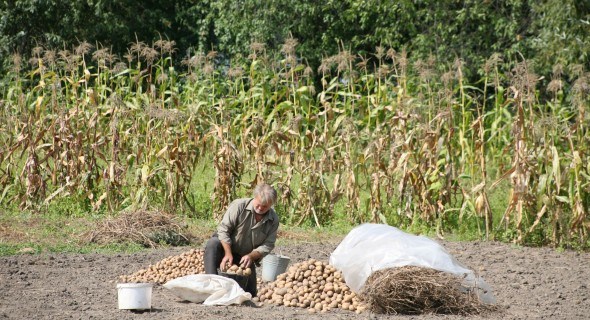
column 246, row 261
column 226, row 262
column 228, row 258
column 250, row 258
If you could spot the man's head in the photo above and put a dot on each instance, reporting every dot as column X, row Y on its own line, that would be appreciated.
column 265, row 196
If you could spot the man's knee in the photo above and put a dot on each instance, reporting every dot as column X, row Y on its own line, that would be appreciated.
column 213, row 243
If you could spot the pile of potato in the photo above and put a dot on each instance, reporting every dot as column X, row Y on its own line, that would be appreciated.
column 190, row 262
column 236, row 269
column 311, row 284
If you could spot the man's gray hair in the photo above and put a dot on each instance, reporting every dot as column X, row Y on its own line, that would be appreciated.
column 266, row 193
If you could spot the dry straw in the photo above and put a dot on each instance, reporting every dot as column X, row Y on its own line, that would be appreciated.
column 144, row 227
column 419, row 290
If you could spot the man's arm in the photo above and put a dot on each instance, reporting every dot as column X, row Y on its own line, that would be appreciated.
column 269, row 243
column 228, row 258
column 224, row 230
column 228, row 223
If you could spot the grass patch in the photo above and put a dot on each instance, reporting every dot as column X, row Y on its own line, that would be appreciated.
column 28, row 232
column 33, row 233
column 9, row 249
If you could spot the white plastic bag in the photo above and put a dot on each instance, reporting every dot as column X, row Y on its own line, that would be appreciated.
column 210, row 289
column 371, row 247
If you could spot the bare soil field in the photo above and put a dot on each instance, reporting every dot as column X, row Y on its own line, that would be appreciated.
column 529, row 283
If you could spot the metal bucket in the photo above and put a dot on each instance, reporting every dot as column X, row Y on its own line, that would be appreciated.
column 273, row 265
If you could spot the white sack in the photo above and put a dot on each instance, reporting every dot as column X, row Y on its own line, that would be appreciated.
column 210, row 289
column 371, row 247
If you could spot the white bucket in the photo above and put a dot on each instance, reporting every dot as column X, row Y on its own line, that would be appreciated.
column 273, row 265
column 135, row 295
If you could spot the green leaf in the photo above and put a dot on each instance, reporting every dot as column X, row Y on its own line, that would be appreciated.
column 562, row 199
column 5, row 192
column 556, row 169
column 382, row 218
column 337, row 122
column 435, row 186
column 145, row 171
column 542, row 184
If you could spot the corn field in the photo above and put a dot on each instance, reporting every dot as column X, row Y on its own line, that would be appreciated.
column 376, row 139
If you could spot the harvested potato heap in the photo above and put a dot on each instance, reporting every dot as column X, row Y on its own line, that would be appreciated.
column 238, row 270
column 311, row 284
column 190, row 262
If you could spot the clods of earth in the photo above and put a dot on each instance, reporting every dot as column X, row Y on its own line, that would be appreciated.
column 528, row 283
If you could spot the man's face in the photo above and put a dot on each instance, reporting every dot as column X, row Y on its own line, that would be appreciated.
column 259, row 207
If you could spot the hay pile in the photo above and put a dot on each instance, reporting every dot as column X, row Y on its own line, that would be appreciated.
column 418, row 290
column 148, row 228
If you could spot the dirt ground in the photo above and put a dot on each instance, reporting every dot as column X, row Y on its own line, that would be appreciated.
column 529, row 283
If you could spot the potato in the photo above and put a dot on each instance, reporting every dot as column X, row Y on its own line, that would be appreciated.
column 190, row 262
column 314, row 285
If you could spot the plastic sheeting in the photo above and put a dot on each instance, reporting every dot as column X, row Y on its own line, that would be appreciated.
column 210, row 289
column 371, row 247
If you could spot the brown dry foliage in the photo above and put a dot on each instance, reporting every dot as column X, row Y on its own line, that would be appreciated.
column 143, row 227
column 418, row 290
